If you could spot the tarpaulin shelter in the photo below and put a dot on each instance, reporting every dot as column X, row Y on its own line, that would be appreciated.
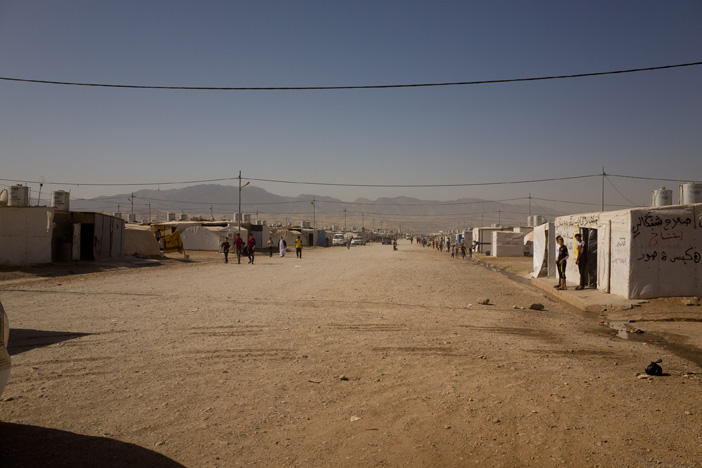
column 201, row 238
column 140, row 242
column 544, row 257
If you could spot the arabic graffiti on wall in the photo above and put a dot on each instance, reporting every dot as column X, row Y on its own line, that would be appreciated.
column 664, row 237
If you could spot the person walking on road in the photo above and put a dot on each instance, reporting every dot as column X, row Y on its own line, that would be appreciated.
column 281, row 246
column 298, row 247
column 239, row 246
column 561, row 263
column 225, row 249
column 251, row 248
column 270, row 247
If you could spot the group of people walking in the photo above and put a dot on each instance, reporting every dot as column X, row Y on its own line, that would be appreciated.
column 241, row 248
column 249, row 248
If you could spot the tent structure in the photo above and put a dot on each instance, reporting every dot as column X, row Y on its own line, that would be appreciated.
column 140, row 243
column 544, row 256
column 201, row 238
column 639, row 253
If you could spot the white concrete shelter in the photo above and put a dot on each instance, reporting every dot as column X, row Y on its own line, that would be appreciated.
column 642, row 252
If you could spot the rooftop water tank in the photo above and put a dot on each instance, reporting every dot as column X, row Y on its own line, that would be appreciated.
column 539, row 220
column 4, row 197
column 19, row 195
column 690, row 192
column 170, row 217
column 131, row 218
column 117, row 214
column 182, row 217
column 661, row 197
column 60, row 199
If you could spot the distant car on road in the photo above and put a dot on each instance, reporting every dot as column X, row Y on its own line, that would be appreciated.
column 4, row 355
column 338, row 239
column 358, row 241
column 387, row 241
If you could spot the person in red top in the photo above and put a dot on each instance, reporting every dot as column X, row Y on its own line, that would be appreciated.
column 251, row 248
column 239, row 246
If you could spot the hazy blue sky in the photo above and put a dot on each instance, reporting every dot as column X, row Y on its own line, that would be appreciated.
column 644, row 124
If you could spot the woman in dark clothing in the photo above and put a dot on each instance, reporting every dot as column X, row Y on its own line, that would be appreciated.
column 561, row 262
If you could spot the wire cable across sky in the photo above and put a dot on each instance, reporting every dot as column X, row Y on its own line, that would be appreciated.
column 332, row 88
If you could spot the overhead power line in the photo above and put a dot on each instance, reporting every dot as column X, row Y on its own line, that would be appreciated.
column 329, row 184
column 331, row 88
column 186, row 182
column 471, row 184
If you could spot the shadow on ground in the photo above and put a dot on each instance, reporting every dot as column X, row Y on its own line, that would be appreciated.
column 26, row 339
column 23, row 446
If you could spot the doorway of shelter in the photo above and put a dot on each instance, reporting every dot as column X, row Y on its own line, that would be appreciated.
column 589, row 236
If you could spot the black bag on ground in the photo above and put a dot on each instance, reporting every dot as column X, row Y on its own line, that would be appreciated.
column 654, row 368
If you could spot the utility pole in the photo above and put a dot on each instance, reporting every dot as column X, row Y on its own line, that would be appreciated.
column 314, row 222
column 530, row 205
column 149, row 212
column 238, row 256
column 603, row 177
column 344, row 219
column 132, row 200
column 499, row 216
column 211, row 214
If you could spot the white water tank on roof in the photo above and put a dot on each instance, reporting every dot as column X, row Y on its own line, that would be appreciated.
column 170, row 217
column 690, row 192
column 19, row 195
column 60, row 199
column 117, row 214
column 4, row 197
column 661, row 197
column 131, row 218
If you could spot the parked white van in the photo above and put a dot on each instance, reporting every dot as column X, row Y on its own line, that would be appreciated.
column 338, row 239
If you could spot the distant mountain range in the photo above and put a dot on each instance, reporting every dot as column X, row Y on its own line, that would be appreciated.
column 221, row 202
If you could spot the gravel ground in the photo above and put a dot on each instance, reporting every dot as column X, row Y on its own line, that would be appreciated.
column 361, row 357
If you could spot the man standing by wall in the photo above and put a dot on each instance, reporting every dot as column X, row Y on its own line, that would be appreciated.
column 580, row 260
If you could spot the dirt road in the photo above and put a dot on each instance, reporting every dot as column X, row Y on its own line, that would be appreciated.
column 362, row 357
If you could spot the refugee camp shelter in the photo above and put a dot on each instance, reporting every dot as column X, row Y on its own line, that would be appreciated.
column 87, row 236
column 201, row 238
column 140, row 241
column 544, row 251
column 482, row 236
column 25, row 235
column 638, row 253
column 507, row 244
column 38, row 234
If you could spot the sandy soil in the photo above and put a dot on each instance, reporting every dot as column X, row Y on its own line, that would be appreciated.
column 361, row 357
